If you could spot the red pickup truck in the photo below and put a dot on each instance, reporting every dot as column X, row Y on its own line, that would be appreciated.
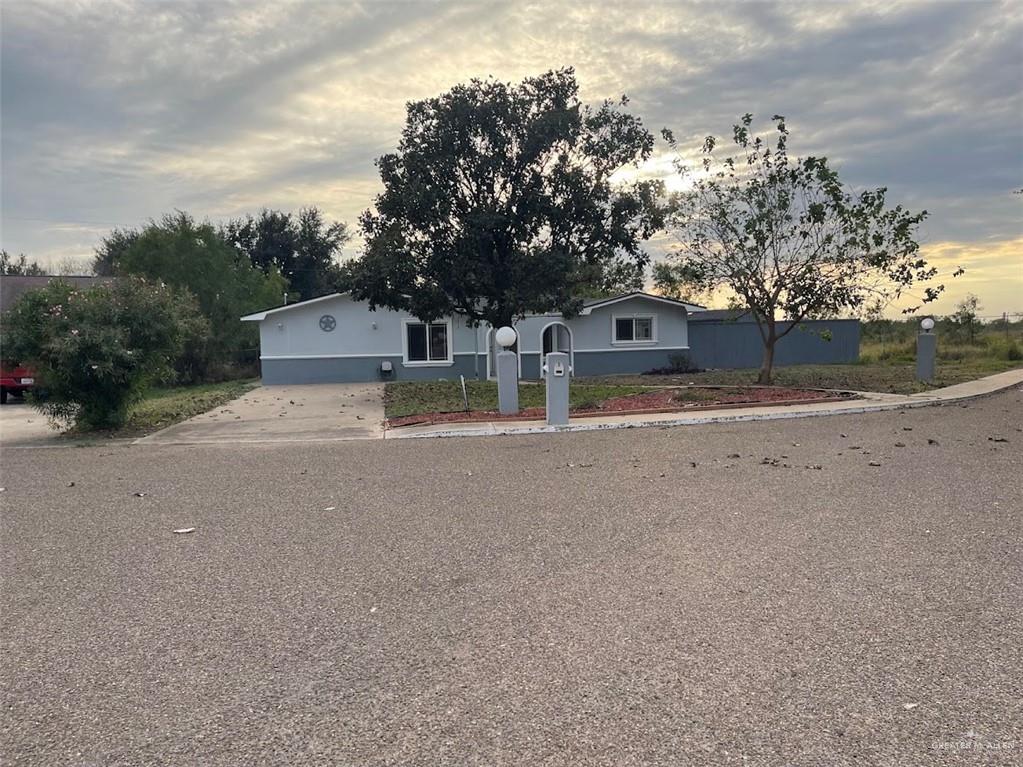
column 16, row 380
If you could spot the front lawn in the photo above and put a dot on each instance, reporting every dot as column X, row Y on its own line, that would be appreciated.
column 893, row 377
column 403, row 398
column 406, row 398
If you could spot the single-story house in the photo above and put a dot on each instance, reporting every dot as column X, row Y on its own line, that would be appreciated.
column 338, row 339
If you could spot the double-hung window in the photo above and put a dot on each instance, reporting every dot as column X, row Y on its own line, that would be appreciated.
column 633, row 330
column 427, row 343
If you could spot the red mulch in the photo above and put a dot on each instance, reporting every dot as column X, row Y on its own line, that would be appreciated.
column 660, row 401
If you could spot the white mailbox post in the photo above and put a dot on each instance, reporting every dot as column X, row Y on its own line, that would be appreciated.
column 926, row 351
column 556, row 373
column 507, row 372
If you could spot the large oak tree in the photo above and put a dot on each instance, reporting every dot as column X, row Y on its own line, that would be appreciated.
column 788, row 238
column 502, row 200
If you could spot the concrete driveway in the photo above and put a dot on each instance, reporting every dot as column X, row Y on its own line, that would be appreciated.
column 317, row 412
column 22, row 426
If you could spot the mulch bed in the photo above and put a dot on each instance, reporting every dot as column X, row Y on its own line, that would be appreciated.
column 660, row 401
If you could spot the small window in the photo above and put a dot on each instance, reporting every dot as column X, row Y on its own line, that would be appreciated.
column 427, row 342
column 633, row 330
column 417, row 342
column 438, row 342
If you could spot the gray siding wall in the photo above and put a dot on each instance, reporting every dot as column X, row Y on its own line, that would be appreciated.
column 725, row 344
column 593, row 331
column 603, row 363
column 295, row 350
column 359, row 332
column 360, row 369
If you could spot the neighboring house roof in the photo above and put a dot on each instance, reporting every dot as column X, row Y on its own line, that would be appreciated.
column 13, row 286
column 588, row 307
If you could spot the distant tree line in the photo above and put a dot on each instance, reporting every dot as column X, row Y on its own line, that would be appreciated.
column 19, row 265
column 963, row 325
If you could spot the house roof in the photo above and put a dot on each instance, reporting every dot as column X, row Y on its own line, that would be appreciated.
column 588, row 307
column 591, row 305
column 258, row 316
column 731, row 315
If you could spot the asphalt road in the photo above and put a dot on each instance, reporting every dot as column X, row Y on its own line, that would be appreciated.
column 588, row 598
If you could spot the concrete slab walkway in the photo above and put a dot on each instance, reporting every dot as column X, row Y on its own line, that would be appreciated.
column 869, row 402
column 309, row 413
column 21, row 425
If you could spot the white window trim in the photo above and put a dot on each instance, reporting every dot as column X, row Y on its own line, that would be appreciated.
column 643, row 342
column 406, row 362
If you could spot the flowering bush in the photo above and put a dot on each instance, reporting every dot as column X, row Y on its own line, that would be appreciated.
column 96, row 351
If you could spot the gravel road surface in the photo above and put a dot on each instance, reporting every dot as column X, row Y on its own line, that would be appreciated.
column 747, row 594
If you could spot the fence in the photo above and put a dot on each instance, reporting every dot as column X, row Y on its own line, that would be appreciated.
column 736, row 343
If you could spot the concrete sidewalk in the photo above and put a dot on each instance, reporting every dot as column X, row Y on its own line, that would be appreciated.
column 868, row 403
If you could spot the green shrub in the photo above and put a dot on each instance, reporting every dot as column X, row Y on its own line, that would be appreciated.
column 677, row 363
column 96, row 351
column 194, row 256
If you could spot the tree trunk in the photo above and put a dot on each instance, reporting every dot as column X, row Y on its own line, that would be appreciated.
column 767, row 366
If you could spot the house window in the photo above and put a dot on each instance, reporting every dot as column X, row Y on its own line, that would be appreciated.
column 633, row 330
column 427, row 343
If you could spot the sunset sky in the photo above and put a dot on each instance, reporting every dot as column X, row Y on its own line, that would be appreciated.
column 115, row 112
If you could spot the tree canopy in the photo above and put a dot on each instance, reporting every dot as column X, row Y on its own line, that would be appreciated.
column 503, row 200
column 304, row 248
column 110, row 250
column 194, row 256
column 788, row 238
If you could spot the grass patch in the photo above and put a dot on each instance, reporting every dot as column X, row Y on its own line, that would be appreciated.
column 897, row 377
column 403, row 398
column 894, row 374
column 164, row 407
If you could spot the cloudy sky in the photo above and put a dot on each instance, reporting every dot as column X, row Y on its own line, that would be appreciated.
column 115, row 112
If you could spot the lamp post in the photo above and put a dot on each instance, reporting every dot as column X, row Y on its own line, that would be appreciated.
column 507, row 371
column 926, row 351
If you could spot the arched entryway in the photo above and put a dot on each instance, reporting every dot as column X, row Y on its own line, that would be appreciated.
column 556, row 337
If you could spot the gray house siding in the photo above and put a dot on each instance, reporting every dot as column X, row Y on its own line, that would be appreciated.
column 622, row 362
column 336, row 339
column 361, row 369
